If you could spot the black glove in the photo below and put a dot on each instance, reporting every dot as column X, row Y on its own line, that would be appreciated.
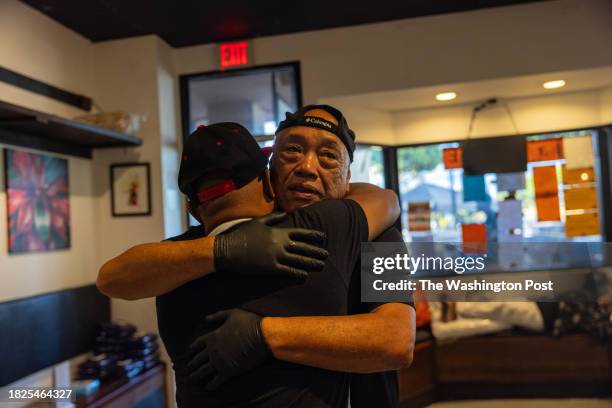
column 235, row 347
column 257, row 248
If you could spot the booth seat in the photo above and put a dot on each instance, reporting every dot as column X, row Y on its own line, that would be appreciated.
column 511, row 364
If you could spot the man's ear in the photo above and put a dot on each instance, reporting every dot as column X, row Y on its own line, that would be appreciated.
column 272, row 162
column 348, row 180
column 193, row 210
column 272, row 170
column 268, row 188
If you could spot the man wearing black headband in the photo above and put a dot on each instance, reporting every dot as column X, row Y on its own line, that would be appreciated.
column 312, row 152
column 230, row 182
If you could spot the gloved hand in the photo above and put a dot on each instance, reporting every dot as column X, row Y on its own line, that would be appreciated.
column 235, row 347
column 257, row 248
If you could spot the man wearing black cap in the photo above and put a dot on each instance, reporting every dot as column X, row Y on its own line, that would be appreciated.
column 319, row 128
column 267, row 296
column 312, row 152
column 242, row 348
column 308, row 172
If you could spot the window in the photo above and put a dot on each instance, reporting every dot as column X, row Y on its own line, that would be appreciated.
column 257, row 98
column 368, row 165
column 423, row 178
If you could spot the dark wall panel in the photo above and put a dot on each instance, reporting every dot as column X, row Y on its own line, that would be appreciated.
column 41, row 331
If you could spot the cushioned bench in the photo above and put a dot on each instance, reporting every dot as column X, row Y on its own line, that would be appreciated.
column 507, row 366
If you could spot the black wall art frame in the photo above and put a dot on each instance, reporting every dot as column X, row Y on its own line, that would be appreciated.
column 130, row 185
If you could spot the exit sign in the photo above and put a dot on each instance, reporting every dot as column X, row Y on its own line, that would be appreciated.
column 234, row 54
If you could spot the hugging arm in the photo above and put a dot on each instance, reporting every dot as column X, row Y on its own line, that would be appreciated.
column 255, row 247
column 380, row 206
column 380, row 340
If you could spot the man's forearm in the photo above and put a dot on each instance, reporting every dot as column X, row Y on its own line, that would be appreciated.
column 154, row 269
column 378, row 341
column 252, row 248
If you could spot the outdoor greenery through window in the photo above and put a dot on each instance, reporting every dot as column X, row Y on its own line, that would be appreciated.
column 368, row 165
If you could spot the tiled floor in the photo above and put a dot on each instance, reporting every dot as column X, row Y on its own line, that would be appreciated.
column 527, row 403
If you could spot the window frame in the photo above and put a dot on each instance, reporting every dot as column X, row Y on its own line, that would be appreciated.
column 184, row 80
column 603, row 137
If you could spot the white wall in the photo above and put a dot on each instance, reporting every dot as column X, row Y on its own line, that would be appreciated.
column 36, row 46
column 531, row 115
column 53, row 54
column 126, row 79
column 170, row 129
column 458, row 47
column 370, row 126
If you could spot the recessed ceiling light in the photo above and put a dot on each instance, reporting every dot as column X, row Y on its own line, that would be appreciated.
column 446, row 96
column 554, row 84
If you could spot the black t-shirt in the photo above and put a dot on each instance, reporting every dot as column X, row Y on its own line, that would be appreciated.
column 180, row 316
column 375, row 389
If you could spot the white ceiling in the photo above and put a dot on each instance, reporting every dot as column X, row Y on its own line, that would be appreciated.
column 473, row 92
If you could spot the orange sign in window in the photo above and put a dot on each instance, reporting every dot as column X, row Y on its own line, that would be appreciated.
column 578, row 176
column 419, row 216
column 548, row 208
column 474, row 238
column 580, row 198
column 453, row 158
column 544, row 150
column 547, row 193
column 581, row 225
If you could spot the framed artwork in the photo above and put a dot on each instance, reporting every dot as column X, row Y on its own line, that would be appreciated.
column 38, row 202
column 130, row 189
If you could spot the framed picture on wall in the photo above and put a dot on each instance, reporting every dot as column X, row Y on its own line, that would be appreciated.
column 130, row 189
column 37, row 201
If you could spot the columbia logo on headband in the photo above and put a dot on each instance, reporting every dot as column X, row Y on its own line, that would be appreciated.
column 316, row 121
column 341, row 129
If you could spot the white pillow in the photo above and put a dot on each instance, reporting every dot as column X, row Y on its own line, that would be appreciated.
column 462, row 327
column 523, row 314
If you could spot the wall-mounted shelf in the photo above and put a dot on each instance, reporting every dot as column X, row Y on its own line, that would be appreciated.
column 28, row 128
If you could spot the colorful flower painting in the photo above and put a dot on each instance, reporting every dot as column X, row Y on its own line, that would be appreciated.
column 38, row 204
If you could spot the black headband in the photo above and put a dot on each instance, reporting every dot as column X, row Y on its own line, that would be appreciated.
column 346, row 135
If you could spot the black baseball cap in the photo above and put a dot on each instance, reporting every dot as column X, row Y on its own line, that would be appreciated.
column 342, row 130
column 223, row 146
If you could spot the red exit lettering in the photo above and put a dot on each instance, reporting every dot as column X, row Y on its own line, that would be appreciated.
column 234, row 54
